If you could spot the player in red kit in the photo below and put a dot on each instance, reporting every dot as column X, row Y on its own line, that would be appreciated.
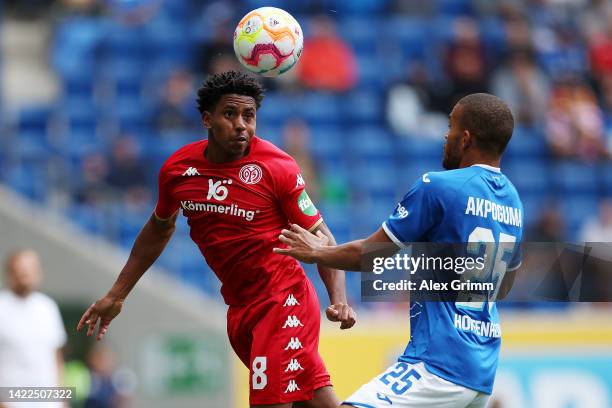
column 238, row 192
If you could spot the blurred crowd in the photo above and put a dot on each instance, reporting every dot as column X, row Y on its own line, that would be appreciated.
column 376, row 78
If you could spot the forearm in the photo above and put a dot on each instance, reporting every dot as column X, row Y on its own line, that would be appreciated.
column 346, row 256
column 333, row 279
column 149, row 244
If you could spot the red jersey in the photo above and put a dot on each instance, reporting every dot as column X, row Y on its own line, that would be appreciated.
column 236, row 211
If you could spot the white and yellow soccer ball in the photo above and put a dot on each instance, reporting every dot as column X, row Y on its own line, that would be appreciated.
column 268, row 41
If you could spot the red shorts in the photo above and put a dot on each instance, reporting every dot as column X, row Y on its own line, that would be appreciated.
column 277, row 339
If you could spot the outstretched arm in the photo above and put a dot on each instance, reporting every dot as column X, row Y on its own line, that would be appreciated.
column 149, row 244
column 309, row 248
column 335, row 283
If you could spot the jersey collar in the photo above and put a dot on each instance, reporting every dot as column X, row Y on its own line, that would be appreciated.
column 486, row 166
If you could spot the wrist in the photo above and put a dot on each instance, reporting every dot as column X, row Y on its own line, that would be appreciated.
column 116, row 295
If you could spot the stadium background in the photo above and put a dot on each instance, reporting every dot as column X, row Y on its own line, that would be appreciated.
column 96, row 94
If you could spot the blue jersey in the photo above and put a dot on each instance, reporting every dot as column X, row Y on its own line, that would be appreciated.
column 460, row 341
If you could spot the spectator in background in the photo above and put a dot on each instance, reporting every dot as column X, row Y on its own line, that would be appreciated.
column 327, row 62
column 574, row 123
column 127, row 173
column 548, row 228
column 597, row 233
column 92, row 188
column 105, row 390
column 32, row 333
column 414, row 106
column 465, row 61
column 296, row 140
column 176, row 109
column 599, row 228
column 523, row 86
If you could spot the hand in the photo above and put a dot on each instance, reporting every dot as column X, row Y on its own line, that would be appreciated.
column 104, row 310
column 302, row 244
column 341, row 312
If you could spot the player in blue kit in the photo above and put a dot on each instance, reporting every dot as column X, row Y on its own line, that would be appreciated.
column 452, row 355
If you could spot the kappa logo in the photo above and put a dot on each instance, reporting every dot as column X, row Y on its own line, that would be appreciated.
column 292, row 321
column 294, row 344
column 216, row 190
column 192, row 171
column 300, row 181
column 292, row 387
column 426, row 178
column 250, row 174
column 293, row 365
column 291, row 301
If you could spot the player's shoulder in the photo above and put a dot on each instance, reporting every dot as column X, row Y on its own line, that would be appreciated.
column 444, row 180
column 188, row 151
column 43, row 300
column 270, row 154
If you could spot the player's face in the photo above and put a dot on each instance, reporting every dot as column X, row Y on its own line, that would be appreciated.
column 24, row 274
column 232, row 125
column 453, row 149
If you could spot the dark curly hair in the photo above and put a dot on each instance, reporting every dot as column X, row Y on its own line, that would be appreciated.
column 230, row 82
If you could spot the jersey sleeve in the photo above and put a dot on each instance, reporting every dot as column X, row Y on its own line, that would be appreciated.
column 295, row 202
column 417, row 213
column 166, row 206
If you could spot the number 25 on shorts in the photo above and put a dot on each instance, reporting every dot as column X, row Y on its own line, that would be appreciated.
column 402, row 382
column 259, row 379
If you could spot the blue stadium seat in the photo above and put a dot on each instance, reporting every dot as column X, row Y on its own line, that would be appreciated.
column 371, row 213
column 605, row 175
column 30, row 145
column 533, row 205
column 169, row 41
column 454, row 7
column 29, row 179
column 574, row 177
column 125, row 42
column 336, row 216
column 87, row 217
column 362, row 33
column 33, row 119
column 319, row 107
column 375, row 180
column 411, row 33
column 527, row 142
column 77, row 45
column 528, row 175
column 576, row 209
column 371, row 144
column 275, row 109
column 365, row 107
column 327, row 142
column 420, row 148
column 365, row 8
column 370, row 71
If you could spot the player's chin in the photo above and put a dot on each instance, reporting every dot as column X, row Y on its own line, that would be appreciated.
column 238, row 148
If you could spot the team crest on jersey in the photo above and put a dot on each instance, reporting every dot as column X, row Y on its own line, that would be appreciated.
column 250, row 174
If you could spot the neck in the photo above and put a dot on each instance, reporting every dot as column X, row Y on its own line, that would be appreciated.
column 21, row 293
column 215, row 154
column 479, row 158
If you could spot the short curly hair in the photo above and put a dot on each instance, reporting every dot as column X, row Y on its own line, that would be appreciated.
column 229, row 82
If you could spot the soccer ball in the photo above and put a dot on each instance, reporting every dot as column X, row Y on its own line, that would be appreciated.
column 268, row 41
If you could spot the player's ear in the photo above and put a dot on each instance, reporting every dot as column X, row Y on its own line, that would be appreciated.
column 466, row 139
column 206, row 119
